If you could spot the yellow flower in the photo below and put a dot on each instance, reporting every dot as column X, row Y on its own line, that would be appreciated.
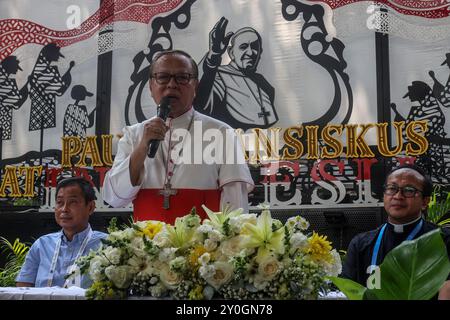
column 152, row 229
column 319, row 248
column 196, row 253
column 196, row 293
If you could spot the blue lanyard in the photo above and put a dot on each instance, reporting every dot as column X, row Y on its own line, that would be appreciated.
column 411, row 236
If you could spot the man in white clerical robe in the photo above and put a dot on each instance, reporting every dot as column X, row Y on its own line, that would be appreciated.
column 199, row 159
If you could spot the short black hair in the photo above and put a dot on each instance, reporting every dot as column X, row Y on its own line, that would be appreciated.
column 427, row 183
column 85, row 186
column 160, row 54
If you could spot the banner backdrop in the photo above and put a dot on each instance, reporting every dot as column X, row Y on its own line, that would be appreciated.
column 73, row 75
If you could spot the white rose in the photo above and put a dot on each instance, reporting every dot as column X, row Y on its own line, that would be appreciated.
column 161, row 240
column 210, row 245
column 113, row 255
column 232, row 247
column 169, row 278
column 222, row 275
column 269, row 267
column 121, row 276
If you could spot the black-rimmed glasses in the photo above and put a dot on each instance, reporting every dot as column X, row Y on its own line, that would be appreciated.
column 407, row 191
column 180, row 78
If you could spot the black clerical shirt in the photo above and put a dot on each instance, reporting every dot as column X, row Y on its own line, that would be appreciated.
column 360, row 249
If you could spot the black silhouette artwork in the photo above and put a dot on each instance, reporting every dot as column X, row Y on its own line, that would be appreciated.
column 441, row 92
column 45, row 84
column 235, row 93
column 76, row 118
column 428, row 109
column 10, row 96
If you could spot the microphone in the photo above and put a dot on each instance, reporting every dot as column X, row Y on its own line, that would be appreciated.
column 163, row 112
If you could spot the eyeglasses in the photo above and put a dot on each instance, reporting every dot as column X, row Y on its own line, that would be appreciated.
column 407, row 192
column 180, row 78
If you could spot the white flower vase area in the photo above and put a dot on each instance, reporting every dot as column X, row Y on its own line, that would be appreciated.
column 230, row 255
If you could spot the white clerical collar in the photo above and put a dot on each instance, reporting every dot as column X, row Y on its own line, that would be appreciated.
column 398, row 228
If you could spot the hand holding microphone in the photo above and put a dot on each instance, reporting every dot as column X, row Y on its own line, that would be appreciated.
column 157, row 128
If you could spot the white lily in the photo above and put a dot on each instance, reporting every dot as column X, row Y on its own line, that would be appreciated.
column 217, row 219
column 262, row 237
column 179, row 235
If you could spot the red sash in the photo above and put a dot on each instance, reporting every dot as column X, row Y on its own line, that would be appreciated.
column 148, row 204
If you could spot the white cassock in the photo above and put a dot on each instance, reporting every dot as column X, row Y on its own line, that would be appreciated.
column 208, row 159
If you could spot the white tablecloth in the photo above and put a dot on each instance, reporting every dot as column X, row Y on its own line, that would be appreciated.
column 333, row 295
column 49, row 293
column 75, row 293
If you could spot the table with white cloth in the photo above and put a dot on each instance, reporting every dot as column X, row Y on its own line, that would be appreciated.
column 47, row 293
column 76, row 293
column 332, row 295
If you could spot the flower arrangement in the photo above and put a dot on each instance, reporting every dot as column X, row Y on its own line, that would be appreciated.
column 230, row 255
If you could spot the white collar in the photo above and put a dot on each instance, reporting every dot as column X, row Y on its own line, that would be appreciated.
column 398, row 228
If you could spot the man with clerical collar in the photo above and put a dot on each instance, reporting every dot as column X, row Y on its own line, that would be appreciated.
column 407, row 193
column 191, row 166
column 52, row 257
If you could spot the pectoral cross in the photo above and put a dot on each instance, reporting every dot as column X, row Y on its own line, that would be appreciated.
column 166, row 193
column 264, row 114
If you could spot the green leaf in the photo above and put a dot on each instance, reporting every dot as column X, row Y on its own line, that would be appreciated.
column 438, row 206
column 15, row 257
column 370, row 295
column 444, row 223
column 352, row 289
column 415, row 270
